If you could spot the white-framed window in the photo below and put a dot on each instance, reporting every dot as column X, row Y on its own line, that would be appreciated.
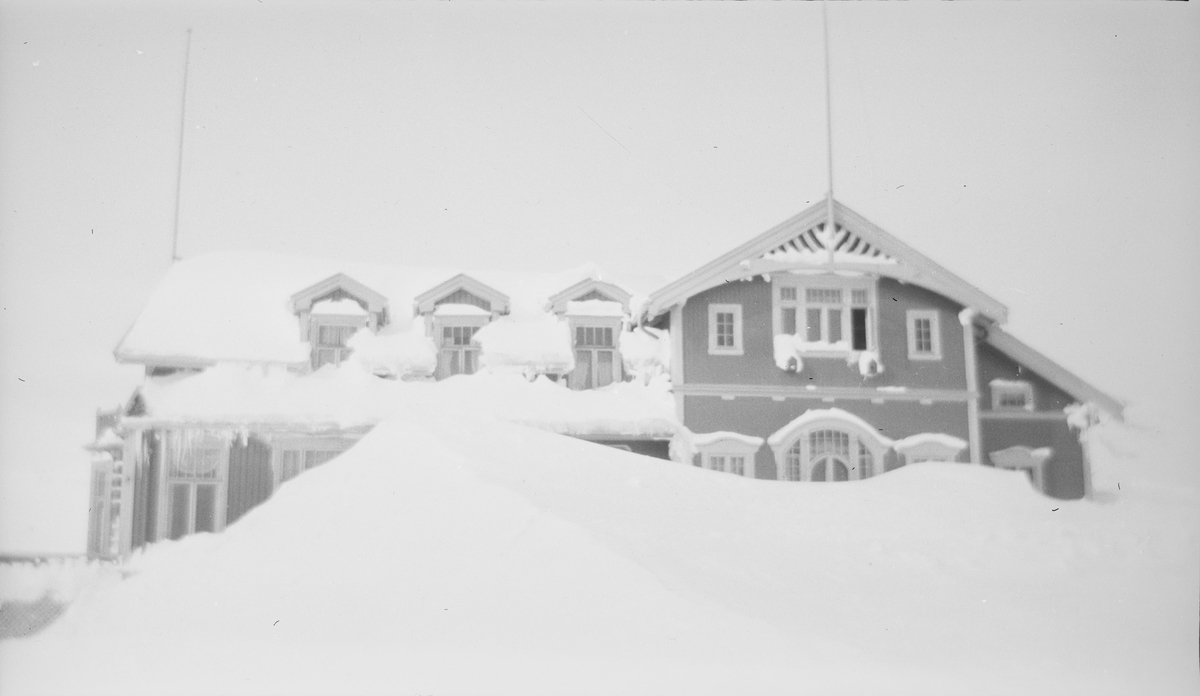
column 728, row 463
column 725, row 329
column 596, row 359
column 293, row 456
column 1011, row 395
column 196, row 466
column 330, row 335
column 732, row 453
column 924, row 334
column 458, row 354
column 828, row 446
column 833, row 314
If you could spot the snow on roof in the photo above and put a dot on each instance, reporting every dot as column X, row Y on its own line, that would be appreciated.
column 234, row 305
column 703, row 439
column 914, row 441
column 595, row 308
column 814, row 415
column 342, row 307
column 346, row 398
column 541, row 343
column 460, row 310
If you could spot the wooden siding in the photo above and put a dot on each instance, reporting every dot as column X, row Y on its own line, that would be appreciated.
column 250, row 477
column 464, row 297
column 762, row 416
column 1064, row 476
column 996, row 365
column 757, row 363
column 594, row 295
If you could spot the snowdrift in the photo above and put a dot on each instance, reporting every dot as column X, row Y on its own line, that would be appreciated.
column 453, row 553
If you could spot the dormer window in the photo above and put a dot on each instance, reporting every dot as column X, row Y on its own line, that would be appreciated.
column 595, row 311
column 331, row 311
column 454, row 311
column 333, row 323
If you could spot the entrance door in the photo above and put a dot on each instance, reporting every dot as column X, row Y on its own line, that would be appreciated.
column 826, row 466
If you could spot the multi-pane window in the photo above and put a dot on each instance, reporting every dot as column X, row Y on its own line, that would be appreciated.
column 733, row 464
column 725, row 329
column 331, row 343
column 1011, row 395
column 828, row 454
column 830, row 315
column 595, row 357
column 924, row 340
column 459, row 355
column 594, row 336
column 195, row 477
column 296, row 459
column 866, row 461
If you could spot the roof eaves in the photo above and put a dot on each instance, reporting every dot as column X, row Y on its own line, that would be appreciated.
column 1054, row 373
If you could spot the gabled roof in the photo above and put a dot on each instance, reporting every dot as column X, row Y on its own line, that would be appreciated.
column 1052, row 372
column 558, row 302
column 426, row 301
column 302, row 301
column 803, row 242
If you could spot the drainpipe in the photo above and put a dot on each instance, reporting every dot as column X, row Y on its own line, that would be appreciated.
column 967, row 319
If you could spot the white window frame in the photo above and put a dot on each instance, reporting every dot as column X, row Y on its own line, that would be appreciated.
column 716, row 455
column 1001, row 388
column 738, row 347
column 858, row 435
column 314, row 333
column 800, row 284
column 935, row 334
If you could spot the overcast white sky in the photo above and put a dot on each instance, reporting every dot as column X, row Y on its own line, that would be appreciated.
column 1049, row 153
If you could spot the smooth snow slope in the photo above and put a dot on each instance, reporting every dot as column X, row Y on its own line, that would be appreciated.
column 451, row 553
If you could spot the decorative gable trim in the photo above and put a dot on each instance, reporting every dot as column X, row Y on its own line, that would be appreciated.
column 588, row 289
column 802, row 242
column 1052, row 372
column 428, row 300
column 303, row 301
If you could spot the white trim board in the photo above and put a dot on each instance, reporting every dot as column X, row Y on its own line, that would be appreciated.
column 782, row 393
column 743, row 261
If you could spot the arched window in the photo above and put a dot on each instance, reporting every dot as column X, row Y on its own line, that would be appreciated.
column 828, row 445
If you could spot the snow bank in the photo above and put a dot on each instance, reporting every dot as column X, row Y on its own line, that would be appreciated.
column 61, row 579
column 452, row 553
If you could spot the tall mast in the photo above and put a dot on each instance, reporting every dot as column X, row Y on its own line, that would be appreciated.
column 187, row 60
column 829, row 223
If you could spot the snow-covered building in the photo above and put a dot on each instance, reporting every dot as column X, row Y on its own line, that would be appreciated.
column 805, row 354
column 812, row 353
column 259, row 367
